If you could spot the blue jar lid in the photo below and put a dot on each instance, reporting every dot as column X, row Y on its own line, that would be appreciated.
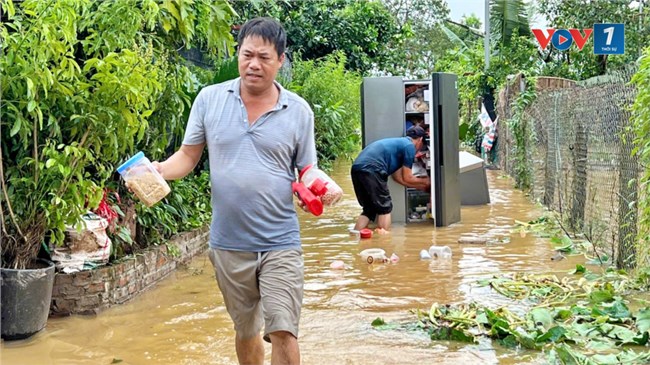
column 138, row 156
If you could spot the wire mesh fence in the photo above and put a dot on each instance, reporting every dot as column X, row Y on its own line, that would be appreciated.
column 579, row 156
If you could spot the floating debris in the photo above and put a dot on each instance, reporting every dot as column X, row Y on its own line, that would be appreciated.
column 473, row 240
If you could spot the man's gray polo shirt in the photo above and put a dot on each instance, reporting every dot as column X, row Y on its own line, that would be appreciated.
column 252, row 167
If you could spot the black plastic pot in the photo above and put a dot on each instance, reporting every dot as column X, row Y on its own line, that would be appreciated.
column 26, row 296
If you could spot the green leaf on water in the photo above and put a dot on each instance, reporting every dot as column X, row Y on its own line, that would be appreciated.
column 481, row 318
column 541, row 291
column 509, row 341
column 580, row 269
column 555, row 334
column 641, row 339
column 378, row 322
column 542, row 317
column 643, row 320
column 526, row 339
column 568, row 356
column 585, row 329
column 609, row 359
column 622, row 335
column 462, row 336
column 599, row 260
column 600, row 296
column 500, row 325
column 116, row 360
column 616, row 309
column 600, row 345
column 563, row 244
column 448, row 333
column 564, row 314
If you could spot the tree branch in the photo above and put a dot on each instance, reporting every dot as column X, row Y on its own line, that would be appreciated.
column 6, row 195
column 35, row 151
column 475, row 32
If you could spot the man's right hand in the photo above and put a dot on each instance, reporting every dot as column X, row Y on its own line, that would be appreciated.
column 180, row 163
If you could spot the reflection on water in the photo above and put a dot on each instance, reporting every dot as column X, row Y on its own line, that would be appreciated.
column 183, row 320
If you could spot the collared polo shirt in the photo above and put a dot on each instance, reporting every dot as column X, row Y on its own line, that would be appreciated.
column 385, row 156
column 252, row 166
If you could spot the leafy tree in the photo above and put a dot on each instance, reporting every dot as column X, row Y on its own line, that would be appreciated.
column 468, row 64
column 333, row 93
column 507, row 17
column 471, row 21
column 425, row 43
column 363, row 30
column 583, row 14
column 471, row 30
column 512, row 53
column 83, row 83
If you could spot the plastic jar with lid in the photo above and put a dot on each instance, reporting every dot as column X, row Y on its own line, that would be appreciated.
column 143, row 179
column 321, row 185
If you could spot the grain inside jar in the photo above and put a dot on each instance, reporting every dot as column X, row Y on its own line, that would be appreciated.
column 148, row 188
column 332, row 196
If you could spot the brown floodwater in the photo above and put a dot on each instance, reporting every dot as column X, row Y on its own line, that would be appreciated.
column 183, row 321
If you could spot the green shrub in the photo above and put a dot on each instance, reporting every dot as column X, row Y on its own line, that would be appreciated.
column 85, row 83
column 334, row 95
column 641, row 127
column 185, row 208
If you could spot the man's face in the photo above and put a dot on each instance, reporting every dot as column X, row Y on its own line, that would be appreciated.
column 258, row 64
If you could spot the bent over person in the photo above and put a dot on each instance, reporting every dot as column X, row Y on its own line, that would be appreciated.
column 371, row 169
column 257, row 133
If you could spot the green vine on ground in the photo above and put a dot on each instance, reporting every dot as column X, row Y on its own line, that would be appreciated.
column 640, row 124
column 519, row 126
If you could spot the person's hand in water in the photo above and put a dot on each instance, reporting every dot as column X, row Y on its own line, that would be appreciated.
column 381, row 231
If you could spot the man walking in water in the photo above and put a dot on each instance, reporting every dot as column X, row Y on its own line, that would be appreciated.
column 257, row 133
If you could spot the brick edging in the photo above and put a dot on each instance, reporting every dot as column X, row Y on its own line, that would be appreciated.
column 91, row 291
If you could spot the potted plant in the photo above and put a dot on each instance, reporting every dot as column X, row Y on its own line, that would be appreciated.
column 80, row 82
column 70, row 111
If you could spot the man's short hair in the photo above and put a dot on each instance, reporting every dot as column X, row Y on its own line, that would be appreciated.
column 416, row 132
column 266, row 28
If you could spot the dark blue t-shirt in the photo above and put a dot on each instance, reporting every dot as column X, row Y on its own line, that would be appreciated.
column 386, row 156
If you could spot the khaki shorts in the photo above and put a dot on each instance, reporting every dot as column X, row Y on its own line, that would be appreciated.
column 261, row 288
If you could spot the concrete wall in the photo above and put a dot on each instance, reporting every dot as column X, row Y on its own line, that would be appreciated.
column 89, row 292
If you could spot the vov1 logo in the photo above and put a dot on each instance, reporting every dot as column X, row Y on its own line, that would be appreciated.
column 609, row 38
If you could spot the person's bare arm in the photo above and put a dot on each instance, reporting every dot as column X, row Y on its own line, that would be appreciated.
column 180, row 163
column 404, row 176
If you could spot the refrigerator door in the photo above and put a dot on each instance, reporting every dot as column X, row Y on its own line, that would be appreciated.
column 382, row 116
column 445, row 143
column 382, row 108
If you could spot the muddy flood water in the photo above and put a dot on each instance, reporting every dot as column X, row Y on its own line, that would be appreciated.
column 183, row 321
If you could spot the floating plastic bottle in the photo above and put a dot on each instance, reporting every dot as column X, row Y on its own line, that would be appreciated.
column 442, row 252
column 424, row 255
column 394, row 258
column 371, row 255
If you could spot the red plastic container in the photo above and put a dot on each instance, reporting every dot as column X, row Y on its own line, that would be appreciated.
column 365, row 233
column 321, row 185
column 312, row 202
